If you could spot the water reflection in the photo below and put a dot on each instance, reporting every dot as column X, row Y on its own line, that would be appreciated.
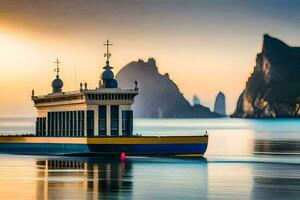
column 88, row 178
column 277, row 147
column 100, row 178
column 29, row 177
column 246, row 159
column 280, row 181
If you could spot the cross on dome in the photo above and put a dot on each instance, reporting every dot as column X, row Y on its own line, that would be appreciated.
column 57, row 70
column 107, row 55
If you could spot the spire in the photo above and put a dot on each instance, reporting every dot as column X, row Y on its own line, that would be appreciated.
column 57, row 83
column 57, row 67
column 107, row 55
column 107, row 75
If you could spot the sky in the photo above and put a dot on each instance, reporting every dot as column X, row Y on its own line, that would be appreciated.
column 205, row 46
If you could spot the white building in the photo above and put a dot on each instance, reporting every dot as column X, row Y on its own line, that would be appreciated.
column 104, row 111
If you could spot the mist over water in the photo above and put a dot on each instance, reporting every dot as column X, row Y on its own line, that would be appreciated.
column 246, row 159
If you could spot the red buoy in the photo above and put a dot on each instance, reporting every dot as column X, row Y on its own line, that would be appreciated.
column 123, row 156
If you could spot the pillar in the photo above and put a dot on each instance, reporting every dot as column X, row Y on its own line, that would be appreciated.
column 73, row 124
column 47, row 125
column 108, row 120
column 68, row 132
column 76, row 123
column 85, row 123
column 66, row 123
column 96, row 121
column 120, row 120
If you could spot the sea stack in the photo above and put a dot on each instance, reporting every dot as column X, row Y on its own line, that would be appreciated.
column 273, row 89
column 196, row 100
column 220, row 106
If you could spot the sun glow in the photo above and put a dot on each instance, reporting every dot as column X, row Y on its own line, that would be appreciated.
column 204, row 52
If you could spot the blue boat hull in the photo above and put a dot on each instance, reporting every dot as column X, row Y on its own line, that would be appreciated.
column 104, row 149
column 148, row 146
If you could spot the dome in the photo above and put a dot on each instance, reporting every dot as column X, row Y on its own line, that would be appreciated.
column 57, row 84
column 108, row 79
column 110, row 83
column 107, row 75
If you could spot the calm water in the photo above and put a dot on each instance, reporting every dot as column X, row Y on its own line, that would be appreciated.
column 246, row 159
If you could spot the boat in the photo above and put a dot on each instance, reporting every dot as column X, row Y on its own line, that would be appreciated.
column 96, row 121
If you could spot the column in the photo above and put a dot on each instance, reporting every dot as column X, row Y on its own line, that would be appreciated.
column 58, row 124
column 73, row 124
column 85, row 123
column 66, row 124
column 79, row 123
column 76, row 123
column 54, row 124
column 47, row 125
column 108, row 120
column 51, row 129
column 96, row 122
column 62, row 124
column 120, row 120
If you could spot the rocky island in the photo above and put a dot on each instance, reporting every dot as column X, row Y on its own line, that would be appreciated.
column 273, row 89
column 159, row 96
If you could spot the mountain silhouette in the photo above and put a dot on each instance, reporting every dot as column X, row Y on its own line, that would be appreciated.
column 159, row 96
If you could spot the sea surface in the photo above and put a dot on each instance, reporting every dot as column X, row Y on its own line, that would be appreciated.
column 246, row 159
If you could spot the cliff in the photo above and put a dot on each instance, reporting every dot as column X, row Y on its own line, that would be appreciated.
column 273, row 88
column 159, row 96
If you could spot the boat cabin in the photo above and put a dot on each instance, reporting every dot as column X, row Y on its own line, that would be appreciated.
column 103, row 111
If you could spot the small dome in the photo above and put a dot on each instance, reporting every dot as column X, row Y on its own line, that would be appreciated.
column 57, row 84
column 107, row 75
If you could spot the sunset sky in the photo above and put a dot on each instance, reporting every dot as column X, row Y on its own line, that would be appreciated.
column 205, row 46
